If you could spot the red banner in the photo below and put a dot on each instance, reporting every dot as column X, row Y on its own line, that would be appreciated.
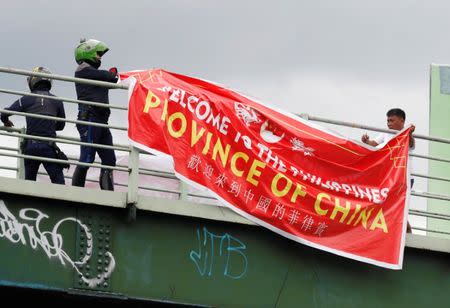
column 291, row 176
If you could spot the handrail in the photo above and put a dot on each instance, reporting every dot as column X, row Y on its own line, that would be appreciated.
column 9, row 168
column 16, row 132
column 430, row 195
column 64, row 99
column 430, row 177
column 430, row 230
column 121, row 146
column 97, row 145
column 64, row 78
column 430, row 157
column 169, row 191
column 60, row 161
column 124, row 128
column 39, row 116
column 429, row 214
column 9, row 148
column 362, row 126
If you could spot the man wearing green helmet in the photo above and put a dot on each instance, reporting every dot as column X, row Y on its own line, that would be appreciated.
column 88, row 55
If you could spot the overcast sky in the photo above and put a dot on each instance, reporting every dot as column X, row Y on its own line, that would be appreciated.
column 346, row 60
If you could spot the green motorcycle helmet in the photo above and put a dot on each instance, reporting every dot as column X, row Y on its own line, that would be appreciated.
column 87, row 51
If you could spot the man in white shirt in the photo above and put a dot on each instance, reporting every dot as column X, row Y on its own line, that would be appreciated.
column 395, row 120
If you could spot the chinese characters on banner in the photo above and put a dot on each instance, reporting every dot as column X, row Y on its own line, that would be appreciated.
column 282, row 172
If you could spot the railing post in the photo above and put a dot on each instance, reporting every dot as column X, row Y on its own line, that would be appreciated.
column 133, row 181
column 183, row 190
column 133, row 177
column 20, row 161
column 304, row 116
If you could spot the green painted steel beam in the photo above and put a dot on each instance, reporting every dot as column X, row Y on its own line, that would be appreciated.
column 64, row 245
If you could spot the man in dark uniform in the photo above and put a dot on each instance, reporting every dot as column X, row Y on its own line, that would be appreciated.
column 40, row 127
column 88, row 55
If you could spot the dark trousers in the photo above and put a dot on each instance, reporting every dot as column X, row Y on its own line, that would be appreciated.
column 100, row 135
column 42, row 149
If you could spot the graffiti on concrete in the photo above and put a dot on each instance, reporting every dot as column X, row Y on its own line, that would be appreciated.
column 229, row 257
column 27, row 230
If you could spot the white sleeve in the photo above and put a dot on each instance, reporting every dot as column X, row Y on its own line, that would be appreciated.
column 380, row 138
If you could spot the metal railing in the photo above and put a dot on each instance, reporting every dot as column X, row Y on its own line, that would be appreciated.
column 134, row 170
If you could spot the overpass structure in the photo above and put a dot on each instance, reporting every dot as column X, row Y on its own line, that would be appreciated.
column 169, row 245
